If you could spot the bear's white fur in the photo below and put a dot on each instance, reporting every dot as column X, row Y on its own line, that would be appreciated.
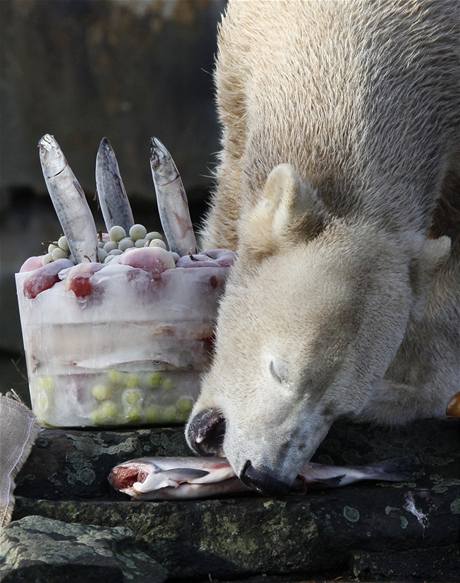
column 341, row 127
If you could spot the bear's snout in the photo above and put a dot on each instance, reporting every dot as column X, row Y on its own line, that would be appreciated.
column 205, row 432
column 263, row 480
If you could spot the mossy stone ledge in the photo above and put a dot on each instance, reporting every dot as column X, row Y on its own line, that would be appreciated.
column 372, row 530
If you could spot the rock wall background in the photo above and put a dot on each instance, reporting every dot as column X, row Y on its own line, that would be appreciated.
column 83, row 69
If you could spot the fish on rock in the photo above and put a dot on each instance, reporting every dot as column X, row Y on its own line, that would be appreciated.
column 164, row 478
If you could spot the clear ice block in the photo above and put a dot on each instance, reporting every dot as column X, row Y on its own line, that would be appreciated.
column 130, row 351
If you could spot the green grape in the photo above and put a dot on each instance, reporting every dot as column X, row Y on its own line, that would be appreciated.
column 46, row 383
column 152, row 414
column 140, row 243
column 157, row 243
column 153, row 235
column 184, row 405
column 181, row 417
column 115, row 252
column 125, row 243
column 168, row 414
column 115, row 377
column 154, row 380
column 133, row 415
column 105, row 413
column 96, row 417
column 117, row 233
column 109, row 408
column 42, row 396
column 168, row 384
column 137, row 232
column 102, row 255
column 52, row 247
column 58, row 253
column 63, row 244
column 110, row 246
column 132, row 396
column 133, row 380
column 41, row 403
column 101, row 392
column 48, row 258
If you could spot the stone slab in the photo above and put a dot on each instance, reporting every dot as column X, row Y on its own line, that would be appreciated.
column 236, row 537
column 42, row 550
column 75, row 463
column 325, row 531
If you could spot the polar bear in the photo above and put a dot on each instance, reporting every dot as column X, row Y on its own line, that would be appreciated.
column 341, row 127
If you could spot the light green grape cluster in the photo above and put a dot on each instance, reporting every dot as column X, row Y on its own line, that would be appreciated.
column 57, row 250
column 43, row 396
column 128, row 398
column 119, row 241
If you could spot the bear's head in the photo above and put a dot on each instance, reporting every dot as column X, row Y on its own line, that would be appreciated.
column 313, row 314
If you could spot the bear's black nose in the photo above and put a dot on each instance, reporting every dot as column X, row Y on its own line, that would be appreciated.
column 205, row 432
column 263, row 480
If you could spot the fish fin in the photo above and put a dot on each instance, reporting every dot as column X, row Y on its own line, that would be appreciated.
column 334, row 482
column 392, row 470
column 184, row 474
column 216, row 475
column 149, row 486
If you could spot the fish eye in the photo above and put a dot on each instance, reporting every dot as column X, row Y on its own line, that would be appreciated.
column 279, row 371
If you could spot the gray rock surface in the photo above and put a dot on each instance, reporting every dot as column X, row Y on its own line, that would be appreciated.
column 441, row 564
column 318, row 532
column 42, row 550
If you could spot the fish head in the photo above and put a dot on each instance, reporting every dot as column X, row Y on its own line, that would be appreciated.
column 313, row 313
column 53, row 159
column 125, row 475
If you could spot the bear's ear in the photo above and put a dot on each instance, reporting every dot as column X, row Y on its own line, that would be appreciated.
column 288, row 212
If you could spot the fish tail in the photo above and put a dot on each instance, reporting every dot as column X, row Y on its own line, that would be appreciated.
column 392, row 470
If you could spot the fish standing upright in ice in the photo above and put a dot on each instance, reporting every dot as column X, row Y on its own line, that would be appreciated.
column 111, row 191
column 69, row 201
column 172, row 200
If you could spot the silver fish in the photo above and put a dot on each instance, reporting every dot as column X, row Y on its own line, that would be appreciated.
column 69, row 201
column 162, row 478
column 171, row 200
column 113, row 199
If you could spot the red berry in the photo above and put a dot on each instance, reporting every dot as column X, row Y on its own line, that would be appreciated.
column 81, row 286
column 79, row 279
column 44, row 278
